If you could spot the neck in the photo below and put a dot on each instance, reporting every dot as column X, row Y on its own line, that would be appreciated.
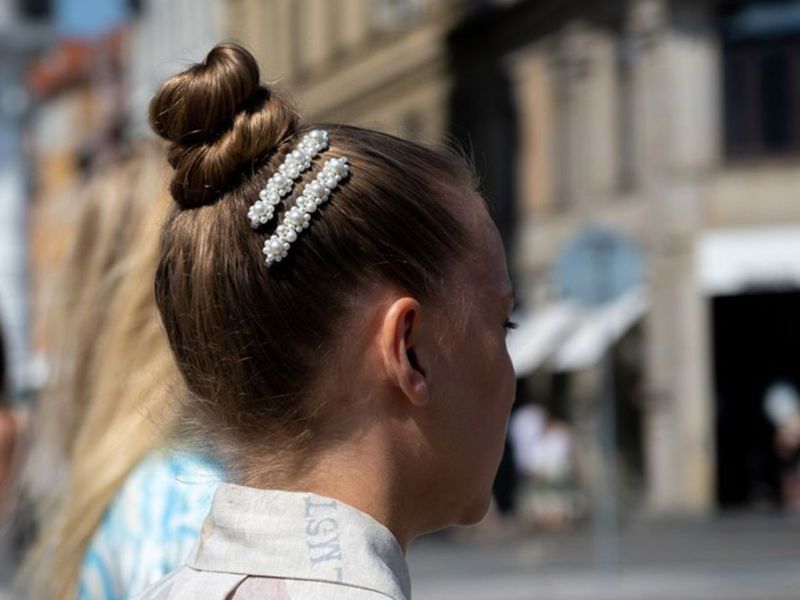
column 363, row 474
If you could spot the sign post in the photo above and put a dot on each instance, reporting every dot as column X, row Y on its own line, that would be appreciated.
column 596, row 268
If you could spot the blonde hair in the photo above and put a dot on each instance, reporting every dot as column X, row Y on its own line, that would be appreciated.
column 115, row 393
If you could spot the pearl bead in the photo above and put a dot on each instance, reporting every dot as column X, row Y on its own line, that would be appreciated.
column 295, row 217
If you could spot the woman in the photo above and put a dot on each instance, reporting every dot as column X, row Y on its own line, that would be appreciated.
column 103, row 467
column 337, row 300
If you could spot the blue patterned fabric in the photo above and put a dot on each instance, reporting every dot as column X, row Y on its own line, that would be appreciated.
column 151, row 525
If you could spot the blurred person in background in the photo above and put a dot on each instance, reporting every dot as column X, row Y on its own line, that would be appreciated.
column 544, row 449
column 353, row 364
column 13, row 425
column 103, row 470
column 782, row 407
column 525, row 427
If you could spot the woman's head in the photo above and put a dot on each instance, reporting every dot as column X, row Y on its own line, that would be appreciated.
column 399, row 275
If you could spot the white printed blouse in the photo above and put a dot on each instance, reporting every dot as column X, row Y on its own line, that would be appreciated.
column 275, row 545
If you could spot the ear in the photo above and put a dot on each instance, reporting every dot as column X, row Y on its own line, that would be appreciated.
column 400, row 337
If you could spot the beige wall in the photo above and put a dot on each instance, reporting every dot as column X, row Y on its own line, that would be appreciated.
column 340, row 63
column 534, row 88
column 762, row 193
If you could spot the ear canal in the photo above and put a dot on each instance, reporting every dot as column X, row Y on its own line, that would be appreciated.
column 412, row 359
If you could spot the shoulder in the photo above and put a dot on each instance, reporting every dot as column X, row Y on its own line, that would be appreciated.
column 152, row 523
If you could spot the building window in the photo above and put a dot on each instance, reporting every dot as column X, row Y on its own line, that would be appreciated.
column 761, row 78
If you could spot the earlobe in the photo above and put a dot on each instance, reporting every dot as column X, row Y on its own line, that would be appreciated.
column 401, row 337
column 417, row 377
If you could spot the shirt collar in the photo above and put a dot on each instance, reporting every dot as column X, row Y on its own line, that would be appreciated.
column 297, row 535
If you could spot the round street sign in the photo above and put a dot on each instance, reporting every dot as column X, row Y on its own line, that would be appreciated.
column 597, row 266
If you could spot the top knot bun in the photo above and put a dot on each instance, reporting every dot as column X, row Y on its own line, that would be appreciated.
column 220, row 119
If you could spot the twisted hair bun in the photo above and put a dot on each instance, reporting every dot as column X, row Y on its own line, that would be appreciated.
column 219, row 120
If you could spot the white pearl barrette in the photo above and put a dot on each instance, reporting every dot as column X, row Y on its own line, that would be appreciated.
column 297, row 218
column 281, row 183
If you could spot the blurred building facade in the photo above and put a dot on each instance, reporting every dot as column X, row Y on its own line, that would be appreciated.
column 87, row 84
column 74, row 125
column 379, row 63
column 669, row 121
column 24, row 31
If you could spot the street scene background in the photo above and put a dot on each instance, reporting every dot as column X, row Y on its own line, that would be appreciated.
column 642, row 162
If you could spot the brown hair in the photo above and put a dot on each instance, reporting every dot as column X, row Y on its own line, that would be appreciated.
column 252, row 342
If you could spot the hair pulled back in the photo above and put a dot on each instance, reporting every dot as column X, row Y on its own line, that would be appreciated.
column 220, row 120
column 252, row 342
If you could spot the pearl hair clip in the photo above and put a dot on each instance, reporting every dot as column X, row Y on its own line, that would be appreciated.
column 281, row 183
column 298, row 217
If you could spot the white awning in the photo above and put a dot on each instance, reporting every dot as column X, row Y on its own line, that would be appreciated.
column 732, row 261
column 598, row 330
column 539, row 335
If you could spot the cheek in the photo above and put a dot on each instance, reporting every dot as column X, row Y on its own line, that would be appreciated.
column 503, row 380
column 495, row 395
column 505, row 384
column 483, row 380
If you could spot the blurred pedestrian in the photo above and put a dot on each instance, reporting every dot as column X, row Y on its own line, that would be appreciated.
column 13, row 426
column 782, row 406
column 103, row 467
column 527, row 424
column 348, row 352
column 545, row 450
